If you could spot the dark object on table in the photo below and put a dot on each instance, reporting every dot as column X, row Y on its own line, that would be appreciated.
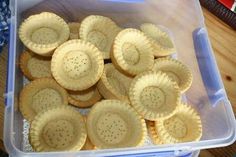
column 4, row 22
column 220, row 10
column 3, row 154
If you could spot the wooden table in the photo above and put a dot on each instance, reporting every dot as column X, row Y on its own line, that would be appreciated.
column 223, row 40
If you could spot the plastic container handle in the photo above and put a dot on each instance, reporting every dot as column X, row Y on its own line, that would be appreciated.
column 208, row 67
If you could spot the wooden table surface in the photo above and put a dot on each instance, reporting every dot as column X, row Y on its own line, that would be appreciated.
column 223, row 40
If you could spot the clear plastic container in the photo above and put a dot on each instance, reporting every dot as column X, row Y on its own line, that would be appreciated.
column 183, row 19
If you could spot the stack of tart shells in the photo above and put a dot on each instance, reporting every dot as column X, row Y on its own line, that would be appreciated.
column 125, row 75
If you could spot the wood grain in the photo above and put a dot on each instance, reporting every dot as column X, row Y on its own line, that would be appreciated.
column 3, row 70
column 223, row 40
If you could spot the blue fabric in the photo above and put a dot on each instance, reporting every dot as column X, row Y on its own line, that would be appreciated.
column 4, row 22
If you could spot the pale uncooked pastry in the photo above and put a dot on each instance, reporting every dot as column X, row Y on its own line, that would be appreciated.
column 34, row 66
column 39, row 95
column 42, row 33
column 154, row 95
column 60, row 128
column 132, row 52
column 100, row 31
column 184, row 126
column 85, row 98
column 114, row 84
column 153, row 133
column 115, row 124
column 77, row 65
column 74, row 30
column 176, row 70
column 161, row 41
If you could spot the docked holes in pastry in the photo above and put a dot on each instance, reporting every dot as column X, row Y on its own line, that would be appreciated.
column 115, row 124
column 42, row 33
column 132, row 52
column 176, row 70
column 59, row 128
column 154, row 95
column 77, row 61
column 34, row 66
column 100, row 31
column 39, row 95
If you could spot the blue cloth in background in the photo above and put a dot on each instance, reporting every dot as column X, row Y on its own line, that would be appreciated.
column 4, row 22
